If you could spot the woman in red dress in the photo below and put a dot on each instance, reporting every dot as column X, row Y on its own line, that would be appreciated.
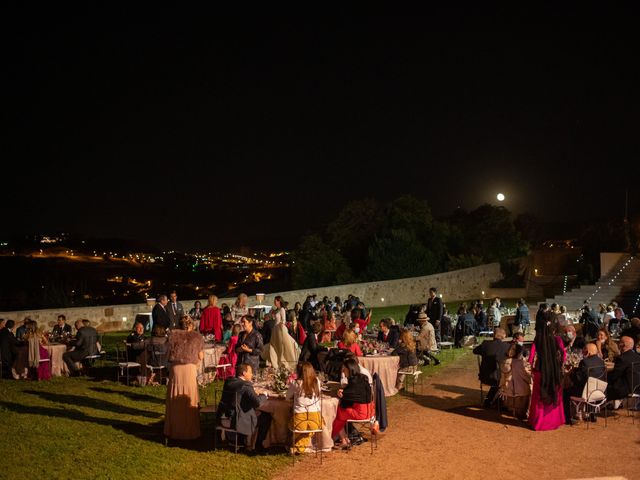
column 211, row 319
column 350, row 342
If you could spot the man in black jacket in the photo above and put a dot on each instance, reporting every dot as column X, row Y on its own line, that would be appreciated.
column 239, row 403
column 8, row 348
column 434, row 311
column 388, row 335
column 492, row 352
column 625, row 376
column 86, row 344
column 310, row 347
column 159, row 313
column 267, row 328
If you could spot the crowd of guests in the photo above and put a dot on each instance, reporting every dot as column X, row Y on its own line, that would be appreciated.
column 539, row 384
column 24, row 352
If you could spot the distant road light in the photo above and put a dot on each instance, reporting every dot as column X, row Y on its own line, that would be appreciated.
column 500, row 197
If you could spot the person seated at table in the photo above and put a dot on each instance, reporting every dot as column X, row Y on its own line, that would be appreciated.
column 157, row 349
column 239, row 403
column 330, row 321
column 515, row 381
column 591, row 365
column 406, row 350
column 343, row 378
column 387, row 334
column 358, row 318
column 305, row 393
column 624, row 376
column 344, row 326
column 426, row 340
column 267, row 327
column 136, row 351
column 633, row 330
column 61, row 328
column 350, row 342
column 607, row 348
column 355, row 401
column 573, row 342
column 22, row 329
column 493, row 352
column 85, row 344
column 312, row 347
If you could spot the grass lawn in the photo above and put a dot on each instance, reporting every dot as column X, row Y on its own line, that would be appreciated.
column 83, row 428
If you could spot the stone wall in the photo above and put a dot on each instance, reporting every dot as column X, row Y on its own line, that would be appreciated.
column 468, row 283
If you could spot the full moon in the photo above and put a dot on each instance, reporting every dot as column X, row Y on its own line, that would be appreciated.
column 500, row 197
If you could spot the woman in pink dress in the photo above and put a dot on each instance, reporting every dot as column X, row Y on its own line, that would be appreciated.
column 230, row 355
column 211, row 319
column 547, row 357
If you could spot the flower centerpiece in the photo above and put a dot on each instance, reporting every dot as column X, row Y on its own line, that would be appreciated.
column 281, row 379
column 373, row 347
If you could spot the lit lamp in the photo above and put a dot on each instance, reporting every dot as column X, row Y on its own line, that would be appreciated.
column 260, row 298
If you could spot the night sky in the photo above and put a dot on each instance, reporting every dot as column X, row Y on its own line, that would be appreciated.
column 194, row 131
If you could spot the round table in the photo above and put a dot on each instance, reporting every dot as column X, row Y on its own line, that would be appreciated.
column 58, row 367
column 386, row 366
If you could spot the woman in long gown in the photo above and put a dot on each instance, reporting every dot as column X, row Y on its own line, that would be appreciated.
column 186, row 350
column 282, row 347
column 547, row 357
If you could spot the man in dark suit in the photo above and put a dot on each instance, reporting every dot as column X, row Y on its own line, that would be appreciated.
column 522, row 321
column 434, row 311
column 590, row 366
column 267, row 328
column 310, row 347
column 62, row 328
column 239, row 403
column 8, row 347
column 492, row 352
column 159, row 313
column 388, row 335
column 626, row 371
column 175, row 310
column 86, row 344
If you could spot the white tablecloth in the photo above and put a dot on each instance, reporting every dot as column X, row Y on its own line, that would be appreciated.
column 387, row 369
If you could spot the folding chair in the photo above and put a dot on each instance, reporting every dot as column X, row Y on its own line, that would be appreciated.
column 593, row 396
column 412, row 373
column 294, row 430
column 371, row 420
column 123, row 361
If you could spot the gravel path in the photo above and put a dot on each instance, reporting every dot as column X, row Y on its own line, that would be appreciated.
column 440, row 433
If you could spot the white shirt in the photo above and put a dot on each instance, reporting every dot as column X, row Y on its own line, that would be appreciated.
column 302, row 403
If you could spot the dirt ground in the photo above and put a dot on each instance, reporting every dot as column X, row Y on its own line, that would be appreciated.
column 440, row 433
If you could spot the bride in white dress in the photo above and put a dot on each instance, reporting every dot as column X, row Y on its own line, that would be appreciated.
column 282, row 349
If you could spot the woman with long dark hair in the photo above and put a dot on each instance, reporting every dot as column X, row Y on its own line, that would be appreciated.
column 547, row 357
column 305, row 393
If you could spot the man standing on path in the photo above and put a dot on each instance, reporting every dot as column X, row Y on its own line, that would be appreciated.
column 434, row 311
